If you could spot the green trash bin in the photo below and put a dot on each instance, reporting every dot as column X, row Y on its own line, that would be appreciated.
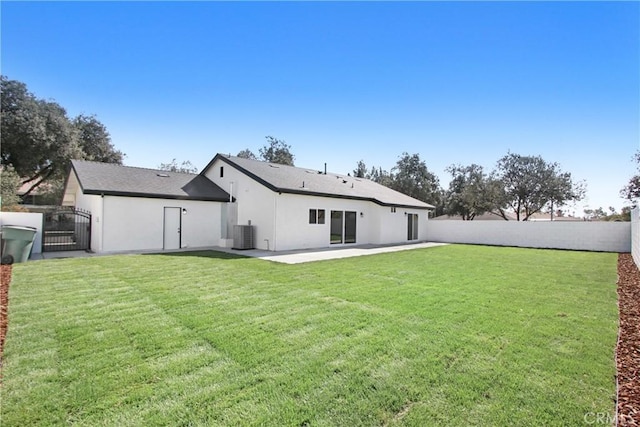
column 18, row 241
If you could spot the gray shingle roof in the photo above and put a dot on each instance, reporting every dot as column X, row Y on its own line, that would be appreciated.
column 289, row 179
column 116, row 180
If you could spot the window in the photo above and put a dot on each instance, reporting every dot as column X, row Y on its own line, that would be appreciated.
column 221, row 171
column 393, row 209
column 316, row 216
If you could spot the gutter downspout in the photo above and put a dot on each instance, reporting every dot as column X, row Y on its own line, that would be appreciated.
column 102, row 224
column 275, row 221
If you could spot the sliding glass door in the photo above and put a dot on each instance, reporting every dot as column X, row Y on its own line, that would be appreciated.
column 349, row 227
column 343, row 227
column 336, row 227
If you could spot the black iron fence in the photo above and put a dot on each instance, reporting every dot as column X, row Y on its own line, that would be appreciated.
column 66, row 229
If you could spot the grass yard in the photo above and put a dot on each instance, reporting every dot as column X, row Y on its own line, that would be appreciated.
column 452, row 335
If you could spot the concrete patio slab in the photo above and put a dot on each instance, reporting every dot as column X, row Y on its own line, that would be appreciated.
column 285, row 257
column 311, row 255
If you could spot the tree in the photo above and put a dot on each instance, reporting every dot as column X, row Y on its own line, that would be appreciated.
column 37, row 137
column 376, row 174
column 600, row 215
column 631, row 191
column 247, row 154
column 624, row 215
column 361, row 170
column 594, row 214
column 469, row 192
column 526, row 184
column 277, row 151
column 173, row 166
column 380, row 176
column 39, row 140
column 411, row 177
column 95, row 141
column 9, row 185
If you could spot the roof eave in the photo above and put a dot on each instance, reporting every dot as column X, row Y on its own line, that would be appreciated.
column 73, row 168
column 344, row 196
column 154, row 196
column 246, row 172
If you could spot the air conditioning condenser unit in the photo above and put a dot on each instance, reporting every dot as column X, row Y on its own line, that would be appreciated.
column 243, row 237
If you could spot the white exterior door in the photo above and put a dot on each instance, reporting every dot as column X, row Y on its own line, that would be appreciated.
column 172, row 225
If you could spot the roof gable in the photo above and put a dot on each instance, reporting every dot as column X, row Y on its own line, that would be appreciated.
column 295, row 180
column 117, row 180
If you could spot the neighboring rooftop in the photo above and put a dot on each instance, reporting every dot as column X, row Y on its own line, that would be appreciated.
column 540, row 216
column 296, row 180
column 117, row 180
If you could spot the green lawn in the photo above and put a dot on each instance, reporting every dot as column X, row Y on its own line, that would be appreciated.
column 453, row 335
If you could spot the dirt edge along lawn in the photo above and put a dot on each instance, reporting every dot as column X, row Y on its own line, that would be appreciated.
column 628, row 348
column 5, row 279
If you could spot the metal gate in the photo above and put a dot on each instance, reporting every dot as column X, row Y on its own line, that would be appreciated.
column 66, row 229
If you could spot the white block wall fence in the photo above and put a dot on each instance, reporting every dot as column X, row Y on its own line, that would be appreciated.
column 579, row 235
column 635, row 235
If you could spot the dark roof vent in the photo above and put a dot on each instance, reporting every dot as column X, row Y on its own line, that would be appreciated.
column 273, row 166
column 162, row 175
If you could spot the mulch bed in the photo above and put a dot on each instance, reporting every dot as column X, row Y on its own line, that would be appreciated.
column 628, row 349
column 5, row 279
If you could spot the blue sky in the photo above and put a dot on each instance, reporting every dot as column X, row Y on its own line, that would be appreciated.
column 456, row 82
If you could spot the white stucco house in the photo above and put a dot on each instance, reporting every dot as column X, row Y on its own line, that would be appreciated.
column 288, row 207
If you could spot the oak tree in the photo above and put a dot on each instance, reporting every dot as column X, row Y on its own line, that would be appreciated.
column 469, row 192
column 526, row 184
column 411, row 176
column 39, row 139
column 95, row 141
